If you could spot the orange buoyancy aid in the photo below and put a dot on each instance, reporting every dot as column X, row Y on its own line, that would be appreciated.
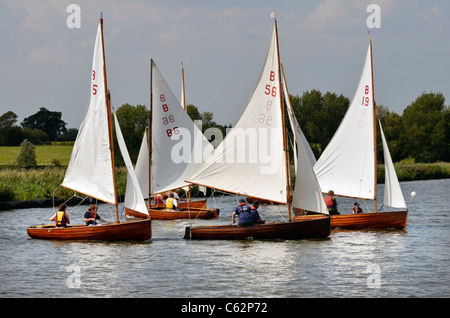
column 61, row 219
column 329, row 202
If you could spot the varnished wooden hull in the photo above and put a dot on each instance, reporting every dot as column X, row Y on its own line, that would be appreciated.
column 314, row 228
column 262, row 201
column 379, row 220
column 139, row 230
column 198, row 204
column 163, row 214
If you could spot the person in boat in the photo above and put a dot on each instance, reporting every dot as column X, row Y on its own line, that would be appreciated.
column 255, row 214
column 331, row 203
column 91, row 216
column 159, row 198
column 356, row 208
column 172, row 203
column 244, row 213
column 61, row 217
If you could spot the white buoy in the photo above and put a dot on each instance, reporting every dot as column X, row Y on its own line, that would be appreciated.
column 413, row 194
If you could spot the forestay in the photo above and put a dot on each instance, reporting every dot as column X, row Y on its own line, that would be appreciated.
column 347, row 164
column 90, row 168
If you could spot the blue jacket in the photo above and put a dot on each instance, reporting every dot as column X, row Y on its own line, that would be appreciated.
column 244, row 213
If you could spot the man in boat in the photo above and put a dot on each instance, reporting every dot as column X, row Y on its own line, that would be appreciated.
column 331, row 203
column 356, row 208
column 61, row 216
column 172, row 203
column 255, row 214
column 91, row 216
column 244, row 213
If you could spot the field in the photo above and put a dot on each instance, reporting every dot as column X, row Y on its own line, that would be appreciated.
column 45, row 155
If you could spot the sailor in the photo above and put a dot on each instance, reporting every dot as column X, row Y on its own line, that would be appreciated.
column 61, row 216
column 244, row 213
column 171, row 203
column 331, row 203
column 255, row 214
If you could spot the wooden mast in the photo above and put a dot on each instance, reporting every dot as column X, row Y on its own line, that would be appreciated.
column 374, row 129
column 283, row 126
column 108, row 110
column 150, row 114
column 182, row 81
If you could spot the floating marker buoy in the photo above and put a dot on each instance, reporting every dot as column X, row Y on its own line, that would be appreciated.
column 413, row 194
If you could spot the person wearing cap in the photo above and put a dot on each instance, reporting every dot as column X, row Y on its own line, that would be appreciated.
column 244, row 213
column 255, row 214
column 356, row 208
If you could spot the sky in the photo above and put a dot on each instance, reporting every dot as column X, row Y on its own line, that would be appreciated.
column 46, row 61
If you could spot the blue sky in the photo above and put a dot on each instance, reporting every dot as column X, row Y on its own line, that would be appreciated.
column 222, row 45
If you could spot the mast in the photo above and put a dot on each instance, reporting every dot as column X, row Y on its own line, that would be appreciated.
column 150, row 113
column 374, row 130
column 283, row 125
column 108, row 109
column 182, row 83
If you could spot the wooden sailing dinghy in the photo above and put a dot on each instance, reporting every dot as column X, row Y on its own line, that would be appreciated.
column 348, row 164
column 91, row 167
column 264, row 124
column 178, row 150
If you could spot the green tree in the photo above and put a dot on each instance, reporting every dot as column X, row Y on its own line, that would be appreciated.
column 133, row 121
column 27, row 155
column 47, row 121
column 10, row 134
column 319, row 116
column 392, row 126
column 424, row 134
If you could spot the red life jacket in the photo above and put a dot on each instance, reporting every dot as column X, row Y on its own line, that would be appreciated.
column 329, row 201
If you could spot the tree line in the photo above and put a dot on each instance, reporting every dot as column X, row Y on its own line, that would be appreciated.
column 420, row 134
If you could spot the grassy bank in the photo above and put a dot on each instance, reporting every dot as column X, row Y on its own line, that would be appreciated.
column 19, row 184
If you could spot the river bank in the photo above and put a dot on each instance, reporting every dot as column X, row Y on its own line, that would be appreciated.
column 21, row 188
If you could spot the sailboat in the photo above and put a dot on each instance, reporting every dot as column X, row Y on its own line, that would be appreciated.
column 91, row 168
column 348, row 164
column 177, row 151
column 234, row 167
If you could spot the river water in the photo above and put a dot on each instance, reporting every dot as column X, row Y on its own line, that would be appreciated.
column 366, row 263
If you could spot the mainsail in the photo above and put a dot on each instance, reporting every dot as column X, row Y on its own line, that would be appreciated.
column 178, row 146
column 90, row 169
column 251, row 159
column 347, row 164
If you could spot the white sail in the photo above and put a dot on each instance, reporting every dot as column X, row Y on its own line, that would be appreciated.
column 250, row 160
column 134, row 199
column 141, row 168
column 178, row 146
column 347, row 164
column 90, row 168
column 393, row 195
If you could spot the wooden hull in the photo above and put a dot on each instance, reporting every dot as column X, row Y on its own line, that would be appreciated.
column 198, row 204
column 262, row 201
column 314, row 228
column 140, row 230
column 379, row 220
column 162, row 214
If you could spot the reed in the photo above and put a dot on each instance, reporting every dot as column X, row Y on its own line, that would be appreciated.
column 21, row 184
